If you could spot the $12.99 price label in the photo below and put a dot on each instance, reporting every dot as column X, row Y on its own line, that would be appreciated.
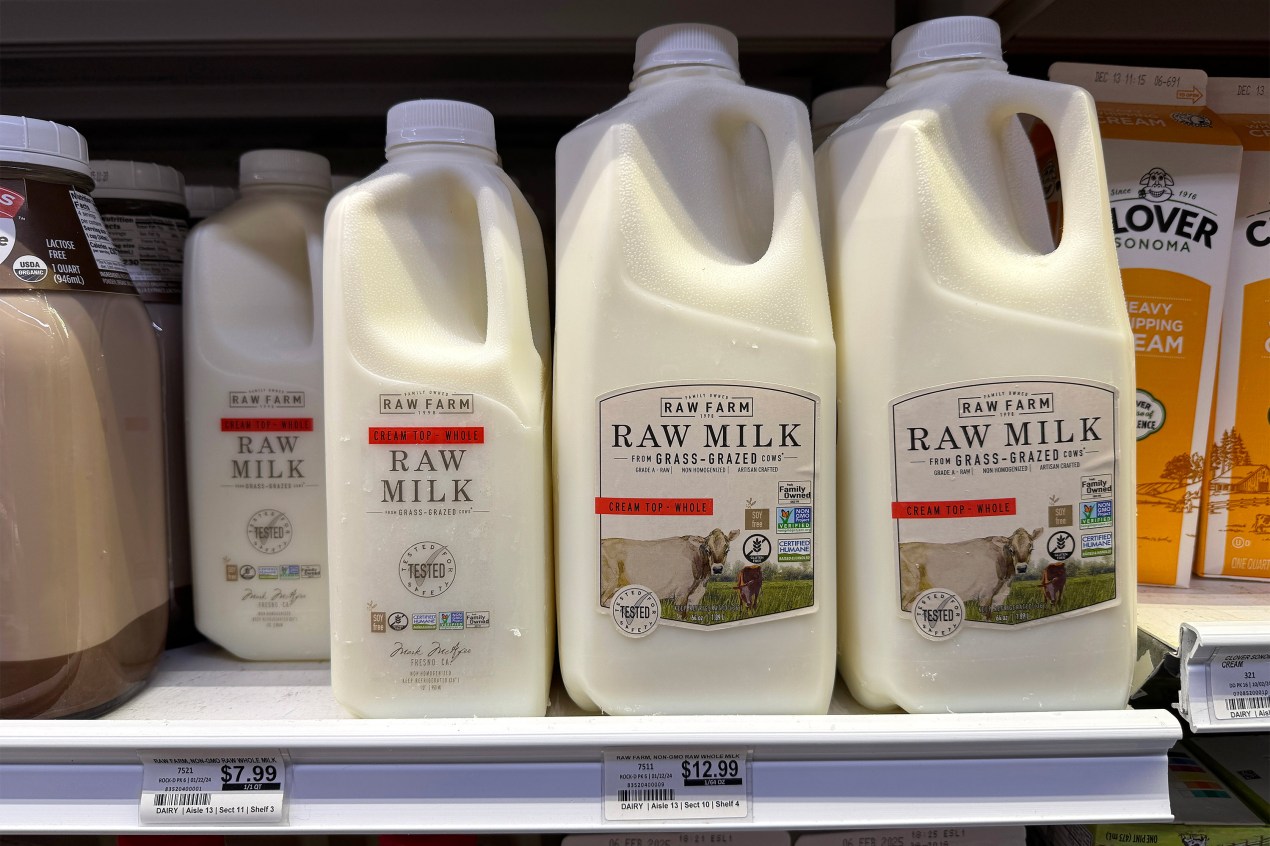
column 664, row 785
column 199, row 790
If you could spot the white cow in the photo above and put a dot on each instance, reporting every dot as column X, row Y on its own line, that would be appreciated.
column 673, row 568
column 978, row 570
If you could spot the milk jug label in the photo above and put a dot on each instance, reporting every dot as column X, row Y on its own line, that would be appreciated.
column 52, row 239
column 705, row 505
column 270, row 446
column 152, row 247
column 430, row 505
column 1003, row 502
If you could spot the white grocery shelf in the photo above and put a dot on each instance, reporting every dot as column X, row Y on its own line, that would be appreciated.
column 521, row 775
column 1163, row 610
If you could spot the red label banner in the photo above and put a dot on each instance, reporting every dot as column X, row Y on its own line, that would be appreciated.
column 653, row 507
column 266, row 424
column 937, row 509
column 389, row 435
column 11, row 203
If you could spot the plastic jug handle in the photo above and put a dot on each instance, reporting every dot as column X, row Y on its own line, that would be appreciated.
column 315, row 252
column 506, row 291
column 791, row 176
column 1073, row 122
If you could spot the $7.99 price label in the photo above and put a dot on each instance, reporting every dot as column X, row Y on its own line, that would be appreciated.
column 199, row 790
column 674, row 785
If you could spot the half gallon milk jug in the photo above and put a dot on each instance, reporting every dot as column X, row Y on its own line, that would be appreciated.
column 986, row 514
column 143, row 207
column 437, row 344
column 83, row 548
column 253, row 400
column 694, row 396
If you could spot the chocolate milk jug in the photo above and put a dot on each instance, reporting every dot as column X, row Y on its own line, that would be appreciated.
column 83, row 555
column 437, row 347
column 986, row 509
column 694, row 396
column 253, row 401
column 143, row 207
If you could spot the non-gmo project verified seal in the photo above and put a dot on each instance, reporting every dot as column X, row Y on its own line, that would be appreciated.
column 451, row 619
column 424, row 622
column 1097, row 513
column 793, row 551
column 1091, row 546
column 289, row 571
column 790, row 520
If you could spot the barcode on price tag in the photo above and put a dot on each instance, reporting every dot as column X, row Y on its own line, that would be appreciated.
column 198, row 790
column 664, row 785
column 1239, row 682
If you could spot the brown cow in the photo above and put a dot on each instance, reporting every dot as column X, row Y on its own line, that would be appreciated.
column 749, row 581
column 979, row 570
column 675, row 568
column 1053, row 580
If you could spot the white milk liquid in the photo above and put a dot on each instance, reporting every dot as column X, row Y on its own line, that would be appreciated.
column 437, row 345
column 938, row 277
column 690, row 272
column 253, row 399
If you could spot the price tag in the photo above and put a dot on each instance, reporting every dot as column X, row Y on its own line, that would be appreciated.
column 197, row 790
column 663, row 785
column 1239, row 684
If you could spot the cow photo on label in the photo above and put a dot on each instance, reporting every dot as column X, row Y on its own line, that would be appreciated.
column 675, row 568
column 978, row 570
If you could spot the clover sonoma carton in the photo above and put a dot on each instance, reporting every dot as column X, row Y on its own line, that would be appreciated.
column 694, row 396
column 1173, row 172
column 1237, row 518
column 985, row 502
column 253, row 402
column 437, row 348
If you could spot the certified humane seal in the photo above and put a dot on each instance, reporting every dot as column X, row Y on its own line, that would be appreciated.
column 636, row 610
column 938, row 613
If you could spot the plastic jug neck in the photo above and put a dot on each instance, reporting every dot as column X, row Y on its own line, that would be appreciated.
column 673, row 73
column 432, row 150
column 300, row 192
column 945, row 66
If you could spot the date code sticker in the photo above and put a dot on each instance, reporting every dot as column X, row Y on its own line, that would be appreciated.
column 662, row 785
column 1240, row 684
column 180, row 789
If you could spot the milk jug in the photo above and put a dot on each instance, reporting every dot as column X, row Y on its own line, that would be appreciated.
column 83, row 548
column 253, row 400
column 143, row 207
column 694, row 396
column 986, row 516
column 437, row 344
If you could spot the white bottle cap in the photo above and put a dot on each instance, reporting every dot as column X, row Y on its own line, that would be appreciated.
column 835, row 107
column 961, row 37
column 42, row 142
column 439, row 122
column 203, row 201
column 284, row 167
column 686, row 44
column 137, row 181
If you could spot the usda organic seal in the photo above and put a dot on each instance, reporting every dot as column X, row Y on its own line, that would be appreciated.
column 938, row 613
column 636, row 610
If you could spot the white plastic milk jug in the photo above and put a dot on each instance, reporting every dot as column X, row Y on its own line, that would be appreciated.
column 437, row 348
column 694, row 396
column 986, row 505
column 253, row 401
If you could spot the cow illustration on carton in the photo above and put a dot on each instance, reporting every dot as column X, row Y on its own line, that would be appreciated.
column 676, row 568
column 978, row 570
